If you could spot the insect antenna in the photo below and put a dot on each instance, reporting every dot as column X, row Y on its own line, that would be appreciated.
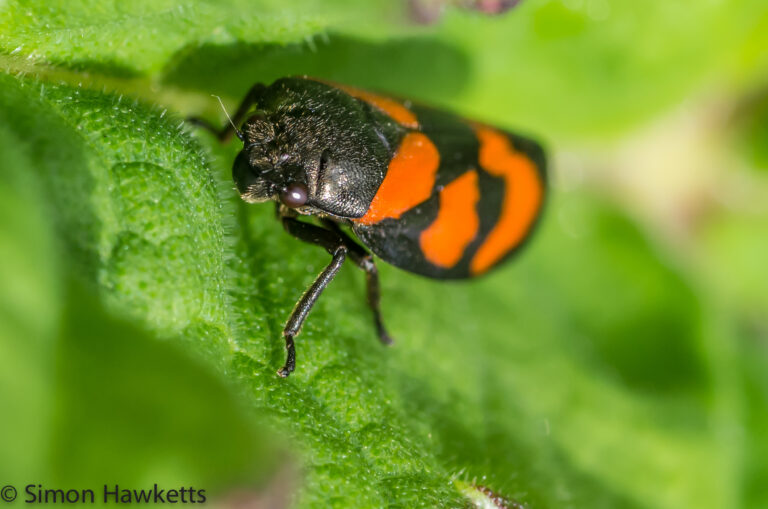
column 237, row 131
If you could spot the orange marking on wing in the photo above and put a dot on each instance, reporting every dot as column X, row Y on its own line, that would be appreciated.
column 391, row 107
column 409, row 180
column 523, row 193
column 456, row 224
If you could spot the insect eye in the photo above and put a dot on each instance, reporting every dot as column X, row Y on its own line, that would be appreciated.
column 295, row 195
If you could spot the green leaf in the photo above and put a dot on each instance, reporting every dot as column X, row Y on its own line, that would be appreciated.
column 29, row 308
column 125, row 203
column 568, row 68
column 142, row 302
column 142, row 36
column 461, row 396
column 89, row 398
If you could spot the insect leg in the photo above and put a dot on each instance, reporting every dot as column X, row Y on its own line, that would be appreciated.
column 364, row 260
column 335, row 246
column 226, row 132
column 300, row 312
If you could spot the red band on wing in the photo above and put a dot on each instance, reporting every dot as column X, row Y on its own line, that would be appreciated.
column 523, row 193
column 409, row 180
column 456, row 225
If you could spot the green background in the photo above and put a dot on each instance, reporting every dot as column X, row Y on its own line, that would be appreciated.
column 620, row 361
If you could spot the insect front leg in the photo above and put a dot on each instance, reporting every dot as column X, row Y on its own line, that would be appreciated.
column 336, row 247
column 300, row 312
column 225, row 133
column 364, row 260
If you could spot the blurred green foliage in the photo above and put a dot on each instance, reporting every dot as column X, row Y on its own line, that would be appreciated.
column 89, row 398
column 141, row 302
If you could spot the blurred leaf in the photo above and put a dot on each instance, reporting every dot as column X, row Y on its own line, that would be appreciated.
column 753, row 132
column 126, row 185
column 29, row 311
column 88, row 399
column 560, row 68
column 577, row 68
column 566, row 68
column 139, row 37
column 426, row 67
column 164, row 418
column 733, row 253
column 756, row 396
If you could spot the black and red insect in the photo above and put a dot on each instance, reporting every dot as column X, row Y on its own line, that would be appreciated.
column 421, row 188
